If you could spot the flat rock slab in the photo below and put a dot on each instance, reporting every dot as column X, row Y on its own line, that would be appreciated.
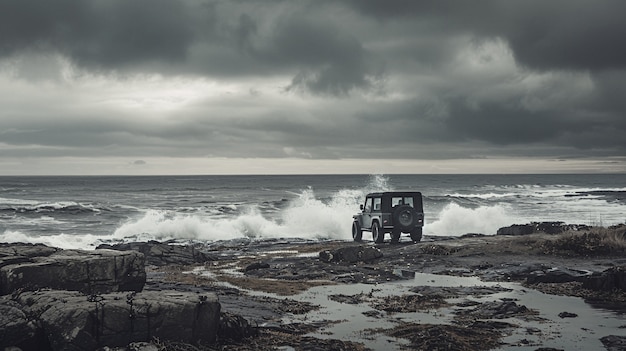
column 74, row 321
column 351, row 254
column 24, row 267
column 161, row 254
column 19, row 252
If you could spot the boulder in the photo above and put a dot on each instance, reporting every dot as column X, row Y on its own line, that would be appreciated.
column 256, row 266
column 235, row 327
column 90, row 272
column 613, row 278
column 351, row 254
column 516, row 229
column 16, row 329
column 161, row 254
column 614, row 342
column 556, row 275
column 75, row 321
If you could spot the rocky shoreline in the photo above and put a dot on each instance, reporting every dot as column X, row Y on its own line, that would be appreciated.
column 474, row 292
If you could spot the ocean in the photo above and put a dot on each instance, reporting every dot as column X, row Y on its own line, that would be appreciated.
column 85, row 211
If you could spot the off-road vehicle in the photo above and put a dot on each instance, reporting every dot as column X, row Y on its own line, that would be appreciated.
column 390, row 212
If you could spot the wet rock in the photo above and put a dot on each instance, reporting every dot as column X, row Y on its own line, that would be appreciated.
column 409, row 303
column 556, row 275
column 234, row 327
column 256, row 265
column 349, row 299
column 74, row 321
column 451, row 292
column 614, row 342
column 613, row 278
column 161, row 254
column 351, row 254
column 350, row 278
column 373, row 314
column 438, row 250
column 16, row 329
column 90, row 272
column 19, row 252
column 540, row 227
column 446, row 337
column 516, row 229
column 567, row 315
column 496, row 310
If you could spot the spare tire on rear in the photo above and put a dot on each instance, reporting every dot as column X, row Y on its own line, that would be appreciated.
column 405, row 218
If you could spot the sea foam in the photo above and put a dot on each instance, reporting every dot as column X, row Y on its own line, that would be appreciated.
column 457, row 220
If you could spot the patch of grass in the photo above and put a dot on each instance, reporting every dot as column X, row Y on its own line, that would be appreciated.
column 596, row 241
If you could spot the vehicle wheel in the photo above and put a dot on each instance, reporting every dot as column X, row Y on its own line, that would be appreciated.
column 405, row 218
column 357, row 233
column 416, row 234
column 377, row 235
column 395, row 236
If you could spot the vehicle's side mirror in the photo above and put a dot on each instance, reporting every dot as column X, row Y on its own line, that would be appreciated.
column 361, row 207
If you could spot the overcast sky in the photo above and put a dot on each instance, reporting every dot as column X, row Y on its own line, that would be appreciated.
column 271, row 86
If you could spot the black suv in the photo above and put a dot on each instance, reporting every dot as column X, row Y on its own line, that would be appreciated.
column 390, row 212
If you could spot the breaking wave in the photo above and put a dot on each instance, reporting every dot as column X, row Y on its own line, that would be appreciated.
column 457, row 220
column 26, row 206
column 306, row 216
column 309, row 213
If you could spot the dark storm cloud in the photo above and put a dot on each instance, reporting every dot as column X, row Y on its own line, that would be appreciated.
column 561, row 34
column 100, row 34
column 396, row 78
column 339, row 61
column 573, row 34
column 158, row 35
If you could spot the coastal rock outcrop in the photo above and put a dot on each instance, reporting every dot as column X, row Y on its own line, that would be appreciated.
column 540, row 227
column 75, row 321
column 613, row 278
column 161, row 254
column 16, row 328
column 32, row 267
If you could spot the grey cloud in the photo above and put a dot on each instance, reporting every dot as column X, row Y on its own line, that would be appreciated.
column 189, row 37
column 327, row 59
column 572, row 34
column 561, row 34
column 337, row 51
column 98, row 34
column 576, row 35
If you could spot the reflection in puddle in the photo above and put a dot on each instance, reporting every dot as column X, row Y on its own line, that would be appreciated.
column 545, row 329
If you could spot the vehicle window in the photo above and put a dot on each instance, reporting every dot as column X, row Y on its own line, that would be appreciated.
column 408, row 201
column 377, row 201
column 396, row 201
column 368, row 205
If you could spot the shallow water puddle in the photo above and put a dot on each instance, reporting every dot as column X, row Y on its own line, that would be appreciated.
column 358, row 321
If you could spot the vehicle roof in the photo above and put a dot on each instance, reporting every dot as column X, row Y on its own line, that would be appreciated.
column 392, row 193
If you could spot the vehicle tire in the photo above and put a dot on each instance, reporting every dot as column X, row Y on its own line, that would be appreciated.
column 377, row 235
column 404, row 218
column 416, row 234
column 395, row 236
column 357, row 233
